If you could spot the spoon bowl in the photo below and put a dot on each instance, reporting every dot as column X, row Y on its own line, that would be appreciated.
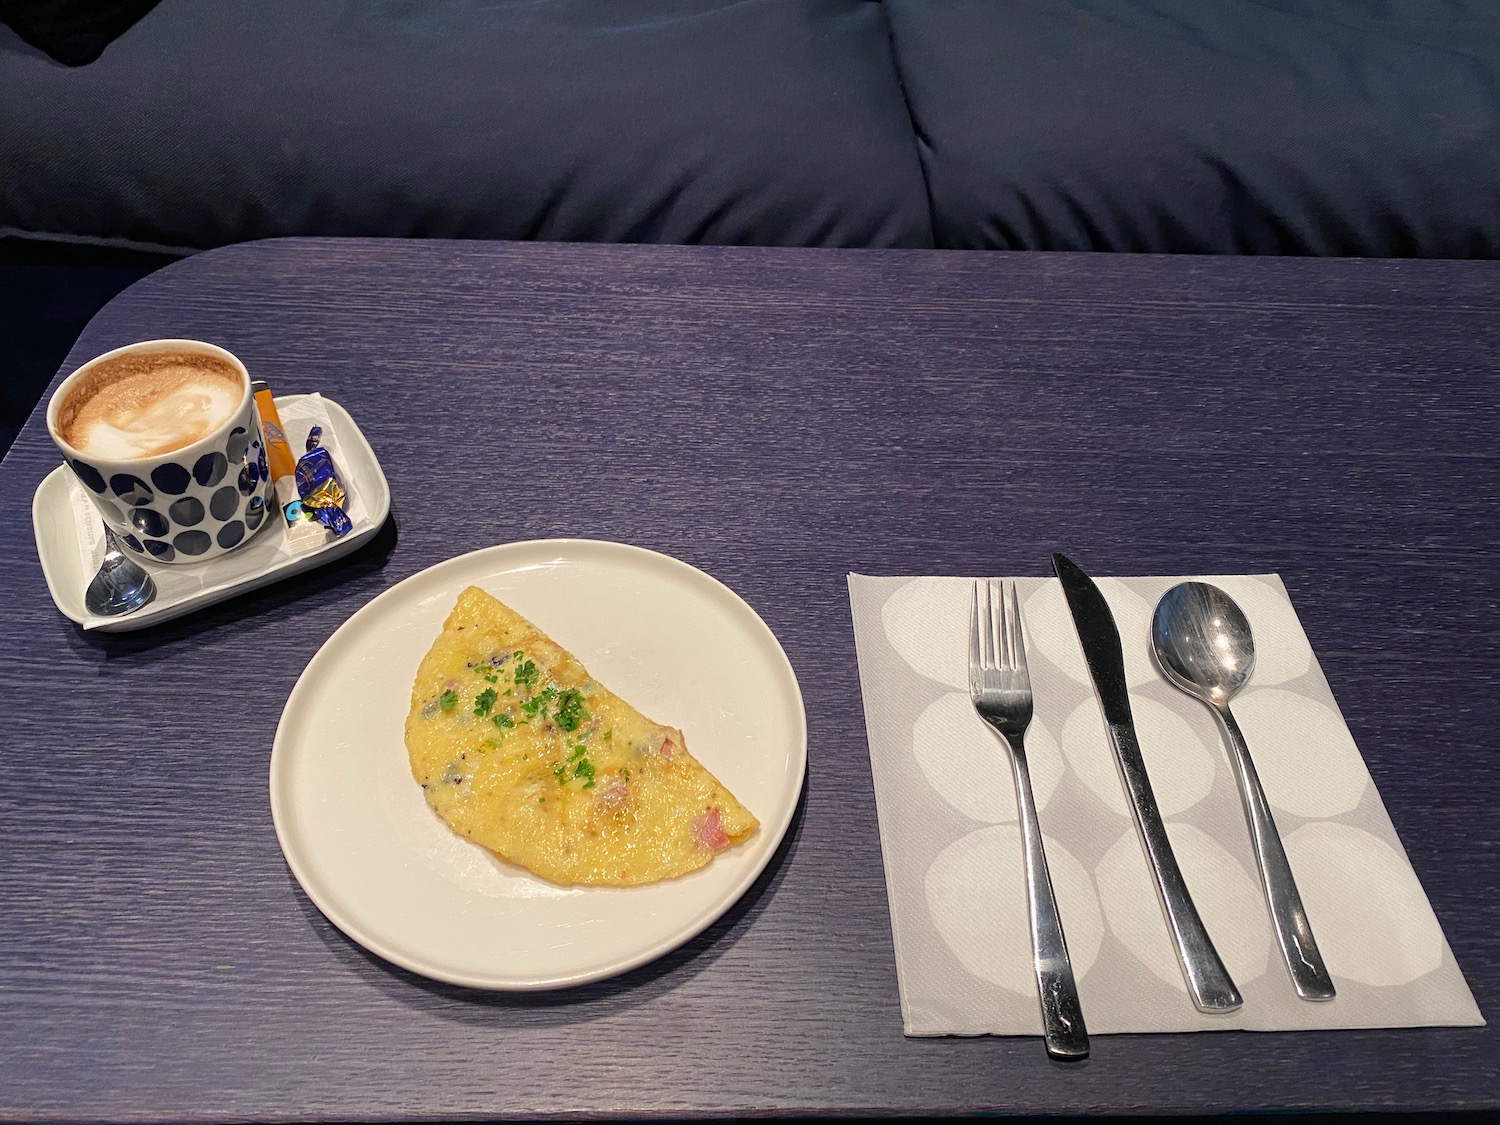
column 121, row 586
column 1202, row 641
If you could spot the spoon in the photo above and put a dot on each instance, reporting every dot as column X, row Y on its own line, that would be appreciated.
column 1202, row 643
column 121, row 586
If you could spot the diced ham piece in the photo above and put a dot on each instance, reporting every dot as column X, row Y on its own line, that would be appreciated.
column 666, row 749
column 708, row 830
column 613, row 797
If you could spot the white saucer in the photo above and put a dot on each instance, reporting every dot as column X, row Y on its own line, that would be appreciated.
column 382, row 866
column 60, row 511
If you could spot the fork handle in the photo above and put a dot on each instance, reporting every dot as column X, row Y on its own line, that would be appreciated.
column 1062, row 1017
column 1293, row 931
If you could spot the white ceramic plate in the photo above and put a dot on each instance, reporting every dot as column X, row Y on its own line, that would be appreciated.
column 360, row 838
column 69, row 540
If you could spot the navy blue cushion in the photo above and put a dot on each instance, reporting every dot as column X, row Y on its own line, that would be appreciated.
column 756, row 121
column 73, row 32
column 1352, row 127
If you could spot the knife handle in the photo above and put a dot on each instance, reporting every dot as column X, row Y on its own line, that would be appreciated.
column 1208, row 981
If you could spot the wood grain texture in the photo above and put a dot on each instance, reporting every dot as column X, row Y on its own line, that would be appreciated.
column 777, row 418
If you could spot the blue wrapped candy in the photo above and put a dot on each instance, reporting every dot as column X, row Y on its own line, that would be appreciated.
column 319, row 486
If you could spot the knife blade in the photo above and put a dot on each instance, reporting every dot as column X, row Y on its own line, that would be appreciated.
column 1208, row 981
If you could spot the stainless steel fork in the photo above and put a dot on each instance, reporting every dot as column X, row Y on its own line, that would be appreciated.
column 1000, row 687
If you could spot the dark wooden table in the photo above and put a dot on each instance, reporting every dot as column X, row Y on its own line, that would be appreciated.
column 778, row 418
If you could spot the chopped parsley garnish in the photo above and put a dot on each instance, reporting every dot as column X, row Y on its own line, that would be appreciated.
column 491, row 678
column 610, row 733
column 538, row 703
column 502, row 720
column 577, row 766
column 447, row 700
column 491, row 742
column 570, row 712
column 484, row 701
column 526, row 674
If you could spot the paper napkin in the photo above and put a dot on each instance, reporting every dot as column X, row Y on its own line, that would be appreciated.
column 953, row 852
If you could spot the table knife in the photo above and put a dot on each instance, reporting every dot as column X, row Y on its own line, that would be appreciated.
column 1208, row 981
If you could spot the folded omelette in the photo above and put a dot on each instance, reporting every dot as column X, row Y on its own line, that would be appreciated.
column 519, row 750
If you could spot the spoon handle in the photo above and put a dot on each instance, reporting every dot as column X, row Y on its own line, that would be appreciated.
column 1293, row 933
column 1062, row 1017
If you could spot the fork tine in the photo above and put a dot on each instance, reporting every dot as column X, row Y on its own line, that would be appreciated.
column 993, row 657
column 997, row 624
column 1018, row 637
column 993, row 653
column 975, row 662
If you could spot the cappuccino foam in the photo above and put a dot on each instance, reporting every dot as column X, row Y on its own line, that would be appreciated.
column 144, row 404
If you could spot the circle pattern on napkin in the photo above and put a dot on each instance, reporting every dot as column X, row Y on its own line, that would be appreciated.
column 1387, row 938
column 922, row 619
column 1180, row 764
column 976, row 891
column 1051, row 630
column 967, row 763
column 1228, row 900
column 1282, row 729
column 957, row 894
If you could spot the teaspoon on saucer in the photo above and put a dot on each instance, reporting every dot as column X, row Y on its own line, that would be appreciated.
column 121, row 586
column 1202, row 643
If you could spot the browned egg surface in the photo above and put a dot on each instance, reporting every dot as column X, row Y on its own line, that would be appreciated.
column 520, row 751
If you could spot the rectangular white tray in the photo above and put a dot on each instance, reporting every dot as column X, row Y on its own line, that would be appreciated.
column 183, row 588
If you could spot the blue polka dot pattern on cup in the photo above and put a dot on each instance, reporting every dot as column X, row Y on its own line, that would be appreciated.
column 192, row 542
column 171, row 478
column 92, row 478
column 131, row 490
column 187, row 512
column 239, row 441
column 224, row 503
column 210, row 469
column 149, row 522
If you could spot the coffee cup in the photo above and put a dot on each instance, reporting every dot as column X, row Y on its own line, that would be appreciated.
column 166, row 440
